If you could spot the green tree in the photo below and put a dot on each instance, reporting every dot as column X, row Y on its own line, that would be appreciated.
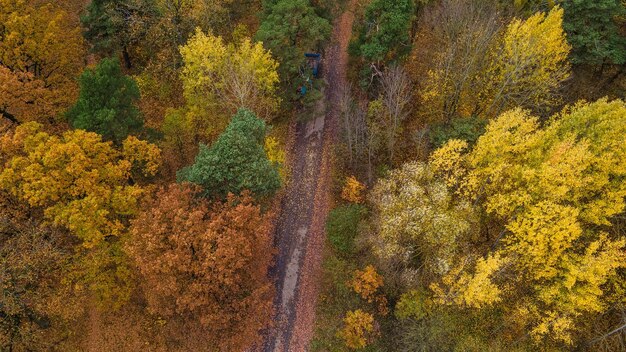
column 291, row 28
column 114, row 25
column 386, row 32
column 235, row 162
column 106, row 104
column 593, row 30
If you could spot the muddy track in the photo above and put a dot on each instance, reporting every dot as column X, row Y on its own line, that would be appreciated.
column 300, row 228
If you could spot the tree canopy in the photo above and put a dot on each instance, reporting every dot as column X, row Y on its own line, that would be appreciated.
column 107, row 102
column 207, row 262
column 237, row 161
column 593, row 30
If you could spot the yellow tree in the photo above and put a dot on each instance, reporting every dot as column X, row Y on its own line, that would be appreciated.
column 239, row 75
column 555, row 189
column 358, row 330
column 82, row 184
column 478, row 68
column 353, row 190
column 529, row 65
column 218, row 79
column 40, row 42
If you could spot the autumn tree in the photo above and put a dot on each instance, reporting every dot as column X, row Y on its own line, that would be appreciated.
column 206, row 262
column 290, row 28
column 31, row 263
column 353, row 190
column 358, row 330
column 238, row 75
column 354, row 130
column 395, row 94
column 593, row 30
column 530, row 65
column 458, row 36
column 81, row 184
column 481, row 70
column 406, row 239
column 41, row 52
column 235, row 162
column 556, row 190
column 24, row 98
column 106, row 104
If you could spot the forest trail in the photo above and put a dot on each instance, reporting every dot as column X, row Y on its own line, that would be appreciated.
column 300, row 231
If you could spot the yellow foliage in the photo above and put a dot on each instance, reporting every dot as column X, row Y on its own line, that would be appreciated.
column 478, row 71
column 358, row 329
column 555, row 190
column 238, row 75
column 80, row 182
column 42, row 41
column 366, row 283
column 531, row 64
column 471, row 290
column 276, row 154
column 353, row 190
column 143, row 155
column 416, row 215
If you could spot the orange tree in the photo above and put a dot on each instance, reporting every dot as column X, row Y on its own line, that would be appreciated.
column 206, row 262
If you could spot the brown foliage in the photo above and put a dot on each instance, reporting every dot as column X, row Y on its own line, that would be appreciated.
column 206, row 262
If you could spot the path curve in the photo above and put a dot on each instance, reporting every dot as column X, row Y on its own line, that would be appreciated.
column 300, row 228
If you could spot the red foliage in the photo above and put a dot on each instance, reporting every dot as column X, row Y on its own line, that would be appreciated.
column 206, row 263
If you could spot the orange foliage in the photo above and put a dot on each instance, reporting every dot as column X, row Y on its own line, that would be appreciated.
column 206, row 263
column 353, row 190
column 366, row 283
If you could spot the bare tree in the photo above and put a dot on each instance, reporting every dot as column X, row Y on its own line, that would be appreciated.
column 396, row 92
column 464, row 30
column 358, row 133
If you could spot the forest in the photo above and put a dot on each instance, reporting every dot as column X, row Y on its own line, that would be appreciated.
column 312, row 175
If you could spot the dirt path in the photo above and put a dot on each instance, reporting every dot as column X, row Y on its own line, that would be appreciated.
column 300, row 228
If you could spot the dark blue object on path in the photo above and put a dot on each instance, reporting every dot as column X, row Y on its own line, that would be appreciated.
column 314, row 62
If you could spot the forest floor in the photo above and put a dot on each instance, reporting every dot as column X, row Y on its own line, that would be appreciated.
column 300, row 234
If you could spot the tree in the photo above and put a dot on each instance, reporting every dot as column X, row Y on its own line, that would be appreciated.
column 235, row 162
column 481, row 70
column 24, row 98
column 358, row 329
column 41, row 48
column 459, row 34
column 106, row 104
column 31, row 262
column 289, row 29
column 429, row 238
column 83, row 185
column 593, row 30
column 206, row 262
column 385, row 35
column 353, row 190
column 530, row 65
column 240, row 75
column 80, row 182
column 556, row 190
column 116, row 25
column 396, row 89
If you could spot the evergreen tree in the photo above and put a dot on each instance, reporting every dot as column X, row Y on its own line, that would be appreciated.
column 593, row 31
column 291, row 28
column 235, row 162
column 106, row 104
column 386, row 33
